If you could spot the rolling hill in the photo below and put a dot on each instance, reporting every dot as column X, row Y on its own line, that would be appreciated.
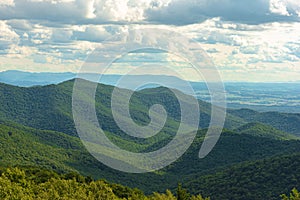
column 23, row 146
column 263, row 130
column 37, row 129
column 262, row 179
column 287, row 122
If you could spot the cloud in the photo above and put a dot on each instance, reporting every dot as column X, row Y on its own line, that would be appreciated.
column 20, row 24
column 57, row 11
column 75, row 11
column 7, row 36
column 212, row 50
column 285, row 7
column 218, row 36
column 17, row 51
column 239, row 36
column 250, row 49
column 175, row 12
column 61, row 36
column 294, row 48
column 7, row 3
column 92, row 34
column 179, row 12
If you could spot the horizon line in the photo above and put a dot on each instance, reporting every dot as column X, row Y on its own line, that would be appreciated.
column 74, row 73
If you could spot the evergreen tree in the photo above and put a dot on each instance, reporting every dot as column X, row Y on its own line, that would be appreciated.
column 182, row 194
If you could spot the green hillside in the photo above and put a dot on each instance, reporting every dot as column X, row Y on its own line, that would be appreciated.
column 263, row 130
column 263, row 179
column 24, row 146
column 287, row 122
column 49, row 107
column 37, row 129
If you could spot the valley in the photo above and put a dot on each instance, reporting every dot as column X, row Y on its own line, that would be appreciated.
column 37, row 129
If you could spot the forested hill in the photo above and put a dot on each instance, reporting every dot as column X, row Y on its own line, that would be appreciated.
column 34, row 107
column 263, row 179
column 37, row 129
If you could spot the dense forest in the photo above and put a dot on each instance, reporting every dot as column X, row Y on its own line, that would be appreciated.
column 256, row 157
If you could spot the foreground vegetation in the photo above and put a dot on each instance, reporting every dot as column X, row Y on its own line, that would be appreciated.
column 34, row 183
column 294, row 195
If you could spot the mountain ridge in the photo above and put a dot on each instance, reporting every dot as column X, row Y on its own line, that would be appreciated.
column 42, row 118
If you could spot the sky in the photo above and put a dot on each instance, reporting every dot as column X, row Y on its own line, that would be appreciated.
column 248, row 40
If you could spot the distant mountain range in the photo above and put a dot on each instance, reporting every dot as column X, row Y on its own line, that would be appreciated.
column 282, row 97
column 29, row 79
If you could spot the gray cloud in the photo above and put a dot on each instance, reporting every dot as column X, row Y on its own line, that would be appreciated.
column 61, row 36
column 21, row 10
column 54, row 13
column 43, row 10
column 212, row 50
column 180, row 12
column 92, row 34
column 219, row 37
column 177, row 12
column 22, row 25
